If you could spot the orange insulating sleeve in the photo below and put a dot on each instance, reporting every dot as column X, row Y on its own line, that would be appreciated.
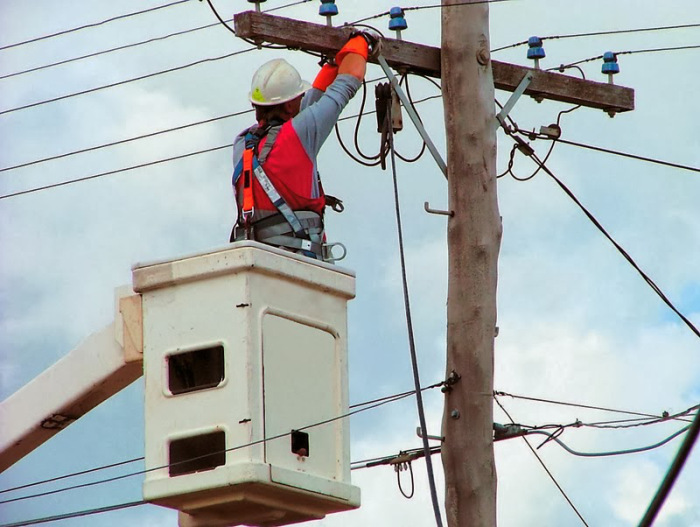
column 325, row 77
column 356, row 45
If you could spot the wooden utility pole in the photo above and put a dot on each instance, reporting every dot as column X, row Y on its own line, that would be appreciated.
column 474, row 231
column 473, row 238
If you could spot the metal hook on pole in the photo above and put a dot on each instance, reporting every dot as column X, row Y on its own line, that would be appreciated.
column 427, row 208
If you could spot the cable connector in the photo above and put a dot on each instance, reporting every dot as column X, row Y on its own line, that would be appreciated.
column 508, row 431
column 453, row 379
column 553, row 131
column 523, row 146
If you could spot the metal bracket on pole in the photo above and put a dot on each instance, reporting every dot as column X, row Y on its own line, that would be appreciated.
column 436, row 438
column 501, row 116
column 413, row 115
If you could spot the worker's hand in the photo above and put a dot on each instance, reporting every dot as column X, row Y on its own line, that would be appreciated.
column 373, row 38
column 357, row 44
column 325, row 77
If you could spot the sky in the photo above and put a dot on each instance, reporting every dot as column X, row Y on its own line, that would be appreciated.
column 576, row 322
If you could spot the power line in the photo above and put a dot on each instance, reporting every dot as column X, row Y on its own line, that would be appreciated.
column 575, row 405
column 552, row 437
column 73, row 474
column 111, row 172
column 631, row 156
column 551, row 476
column 120, row 83
column 388, row 127
column 159, row 161
column 360, row 407
column 672, row 474
column 599, row 33
column 95, row 24
column 432, row 6
column 133, row 138
column 78, row 514
column 127, row 140
column 620, row 249
column 135, row 44
column 629, row 52
column 106, row 51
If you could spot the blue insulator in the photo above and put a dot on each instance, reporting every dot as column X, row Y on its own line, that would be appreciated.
column 328, row 8
column 535, row 50
column 610, row 65
column 397, row 22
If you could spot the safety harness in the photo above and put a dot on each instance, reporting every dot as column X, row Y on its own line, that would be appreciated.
column 300, row 231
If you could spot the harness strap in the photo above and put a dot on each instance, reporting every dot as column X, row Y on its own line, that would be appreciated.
column 296, row 243
column 277, row 200
column 272, row 134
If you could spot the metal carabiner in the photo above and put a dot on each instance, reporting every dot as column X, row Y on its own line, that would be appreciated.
column 327, row 250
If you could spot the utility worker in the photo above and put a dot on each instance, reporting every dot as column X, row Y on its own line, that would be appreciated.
column 278, row 191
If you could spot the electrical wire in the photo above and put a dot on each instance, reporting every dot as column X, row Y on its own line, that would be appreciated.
column 404, row 78
column 77, row 514
column 124, row 141
column 620, row 249
column 611, row 453
column 136, row 44
column 106, row 51
column 111, row 172
column 409, row 324
column 360, row 407
column 672, row 473
column 127, row 81
column 599, row 33
column 551, row 476
column 432, row 6
column 628, row 155
column 574, row 405
column 72, row 475
column 95, row 24
column 630, row 52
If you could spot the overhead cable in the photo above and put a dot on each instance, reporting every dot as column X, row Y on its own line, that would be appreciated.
column 95, row 24
column 112, row 172
column 631, row 156
column 136, row 44
column 77, row 514
column 551, row 476
column 570, row 450
column 431, row 6
column 600, row 33
column 388, row 127
column 629, row 52
column 619, row 248
column 129, row 139
column 127, row 81
column 574, row 405
column 361, row 407
column 159, row 161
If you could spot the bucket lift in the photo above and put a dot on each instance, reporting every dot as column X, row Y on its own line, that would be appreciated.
column 245, row 365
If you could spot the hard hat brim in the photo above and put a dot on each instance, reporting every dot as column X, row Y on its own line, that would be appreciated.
column 305, row 86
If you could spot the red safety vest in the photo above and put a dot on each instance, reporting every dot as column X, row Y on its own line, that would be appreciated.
column 290, row 169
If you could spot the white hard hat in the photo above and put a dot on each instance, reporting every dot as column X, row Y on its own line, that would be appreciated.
column 276, row 82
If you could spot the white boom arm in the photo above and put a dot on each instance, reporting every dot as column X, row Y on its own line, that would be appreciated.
column 102, row 365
